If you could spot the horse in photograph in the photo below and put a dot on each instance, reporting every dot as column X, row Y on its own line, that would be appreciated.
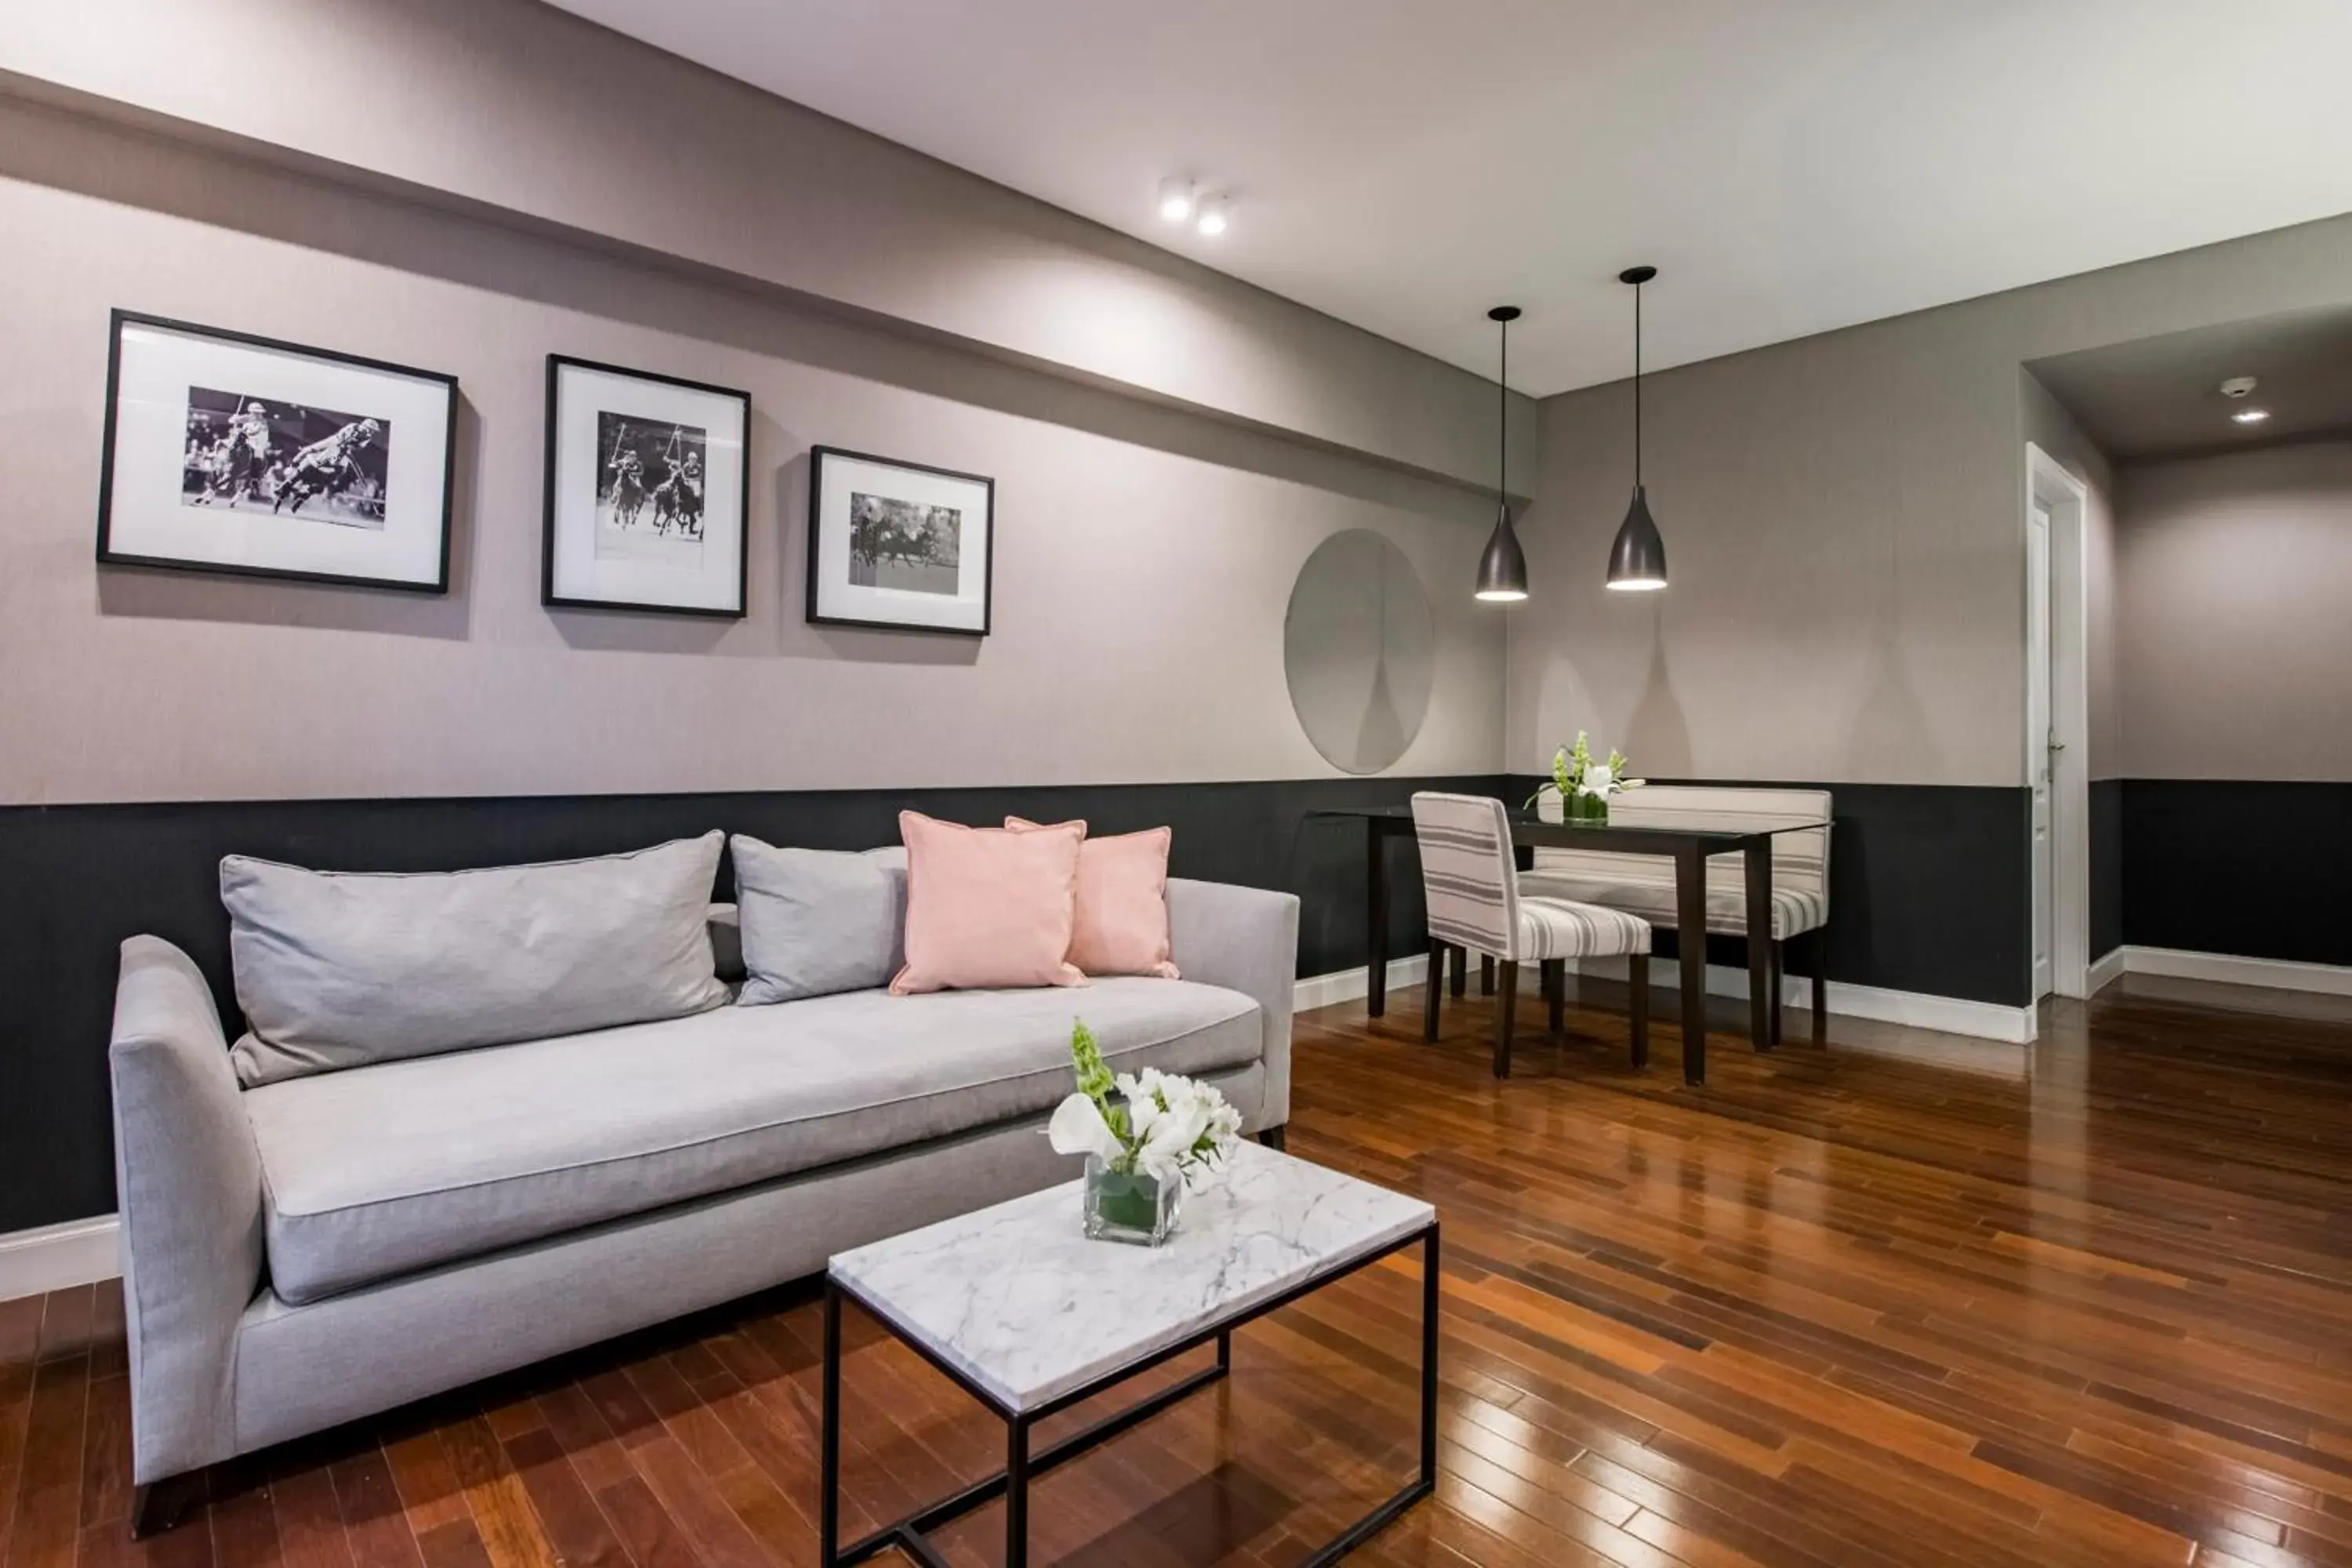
column 328, row 468
column 678, row 500
column 628, row 492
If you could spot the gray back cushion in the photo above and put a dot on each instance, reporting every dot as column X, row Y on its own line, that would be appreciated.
column 340, row 969
column 818, row 921
column 726, row 942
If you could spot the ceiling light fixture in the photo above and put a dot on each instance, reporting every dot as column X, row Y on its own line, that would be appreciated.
column 2251, row 416
column 1175, row 199
column 1216, row 216
column 1637, row 560
column 1503, row 566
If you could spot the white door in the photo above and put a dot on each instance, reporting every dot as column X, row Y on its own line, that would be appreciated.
column 2038, row 736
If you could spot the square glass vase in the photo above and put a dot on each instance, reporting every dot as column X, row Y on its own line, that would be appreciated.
column 1590, row 809
column 1133, row 1206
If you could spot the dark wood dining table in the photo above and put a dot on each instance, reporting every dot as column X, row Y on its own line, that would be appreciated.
column 1689, row 845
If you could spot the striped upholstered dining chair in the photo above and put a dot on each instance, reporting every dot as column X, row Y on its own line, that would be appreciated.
column 1471, row 881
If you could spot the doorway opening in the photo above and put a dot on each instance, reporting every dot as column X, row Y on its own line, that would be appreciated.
column 2057, row 725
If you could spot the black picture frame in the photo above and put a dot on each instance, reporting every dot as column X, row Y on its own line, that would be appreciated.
column 817, row 455
column 108, row 555
column 548, row 597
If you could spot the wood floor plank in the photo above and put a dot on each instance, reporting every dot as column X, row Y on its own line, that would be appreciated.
column 106, row 1445
column 20, row 1338
column 374, row 1522
column 68, row 1321
column 242, row 1520
column 456, row 1544
column 577, row 1527
column 309, row 1518
column 430, row 1493
column 509, row 1529
column 45, row 1526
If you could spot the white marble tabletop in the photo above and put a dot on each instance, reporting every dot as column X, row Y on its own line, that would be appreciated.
column 1019, row 1301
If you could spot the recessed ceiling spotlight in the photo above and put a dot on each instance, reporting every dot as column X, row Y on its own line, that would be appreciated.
column 1216, row 216
column 2239, row 386
column 2251, row 416
column 1175, row 199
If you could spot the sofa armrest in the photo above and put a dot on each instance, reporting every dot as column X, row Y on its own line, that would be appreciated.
column 1246, row 940
column 188, row 1181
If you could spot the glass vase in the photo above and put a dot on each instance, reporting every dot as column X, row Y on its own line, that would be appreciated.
column 1590, row 809
column 1133, row 1206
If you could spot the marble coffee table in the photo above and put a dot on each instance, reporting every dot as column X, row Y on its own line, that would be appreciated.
column 1026, row 1315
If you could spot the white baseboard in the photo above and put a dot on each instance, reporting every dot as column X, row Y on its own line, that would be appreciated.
column 53, row 1256
column 2328, row 979
column 1918, row 1009
column 2108, row 968
column 1350, row 984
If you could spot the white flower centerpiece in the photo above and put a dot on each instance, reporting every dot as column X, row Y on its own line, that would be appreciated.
column 1580, row 786
column 1161, row 1134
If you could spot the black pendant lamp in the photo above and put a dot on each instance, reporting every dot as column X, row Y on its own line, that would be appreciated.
column 1637, row 560
column 1503, row 567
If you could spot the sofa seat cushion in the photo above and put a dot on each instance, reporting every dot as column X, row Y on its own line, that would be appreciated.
column 1795, row 911
column 377, row 1171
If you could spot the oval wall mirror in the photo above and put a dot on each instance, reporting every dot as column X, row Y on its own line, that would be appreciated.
column 1360, row 652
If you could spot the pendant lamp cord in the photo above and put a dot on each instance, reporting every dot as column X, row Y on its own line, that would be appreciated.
column 1503, row 421
column 1637, row 387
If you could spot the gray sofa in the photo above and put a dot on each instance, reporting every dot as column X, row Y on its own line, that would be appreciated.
column 304, row 1252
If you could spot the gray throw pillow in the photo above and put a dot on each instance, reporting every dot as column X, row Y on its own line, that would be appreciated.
column 340, row 969
column 817, row 922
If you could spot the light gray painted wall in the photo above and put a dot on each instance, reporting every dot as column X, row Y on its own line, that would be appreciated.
column 2236, row 614
column 1844, row 527
column 520, row 109
column 1143, row 564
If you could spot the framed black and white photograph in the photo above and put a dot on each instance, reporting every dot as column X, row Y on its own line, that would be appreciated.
column 896, row 544
column 226, row 452
column 649, row 486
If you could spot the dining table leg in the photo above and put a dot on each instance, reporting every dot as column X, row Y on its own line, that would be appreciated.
column 1690, row 941
column 1376, row 934
column 1758, row 858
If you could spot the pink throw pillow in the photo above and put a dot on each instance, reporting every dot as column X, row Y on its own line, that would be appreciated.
column 1122, row 913
column 986, row 908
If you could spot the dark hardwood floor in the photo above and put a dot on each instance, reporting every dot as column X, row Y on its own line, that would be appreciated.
column 2088, row 1303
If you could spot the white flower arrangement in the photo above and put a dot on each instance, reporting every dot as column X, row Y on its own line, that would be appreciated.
column 1575, row 773
column 1162, row 1125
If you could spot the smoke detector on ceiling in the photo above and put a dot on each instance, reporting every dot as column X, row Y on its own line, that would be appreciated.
column 2239, row 386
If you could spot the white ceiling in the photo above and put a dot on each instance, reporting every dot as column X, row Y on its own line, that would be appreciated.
column 1791, row 165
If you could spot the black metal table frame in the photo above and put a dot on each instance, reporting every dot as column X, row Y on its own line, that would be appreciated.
column 1689, row 848
column 911, row 1535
